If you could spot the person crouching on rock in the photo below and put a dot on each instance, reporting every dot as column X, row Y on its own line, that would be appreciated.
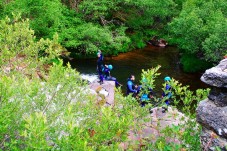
column 107, row 75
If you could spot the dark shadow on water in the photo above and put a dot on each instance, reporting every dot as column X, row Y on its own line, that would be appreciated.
column 133, row 62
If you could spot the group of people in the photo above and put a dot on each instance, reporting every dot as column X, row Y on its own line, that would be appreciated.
column 134, row 90
column 104, row 74
column 104, row 70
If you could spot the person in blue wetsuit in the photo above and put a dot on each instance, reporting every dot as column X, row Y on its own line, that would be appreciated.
column 101, row 55
column 167, row 94
column 147, row 95
column 146, row 98
column 100, row 66
column 131, row 88
column 107, row 76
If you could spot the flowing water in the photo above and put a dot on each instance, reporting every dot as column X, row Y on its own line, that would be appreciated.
column 133, row 62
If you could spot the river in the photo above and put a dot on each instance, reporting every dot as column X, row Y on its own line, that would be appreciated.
column 134, row 61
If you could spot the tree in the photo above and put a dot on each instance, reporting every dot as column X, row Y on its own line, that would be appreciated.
column 45, row 15
column 196, row 32
column 20, row 49
column 139, row 18
column 88, row 25
column 215, row 45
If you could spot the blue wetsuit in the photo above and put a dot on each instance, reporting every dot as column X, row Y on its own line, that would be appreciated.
column 100, row 66
column 108, row 77
column 168, row 95
column 130, row 87
column 145, row 97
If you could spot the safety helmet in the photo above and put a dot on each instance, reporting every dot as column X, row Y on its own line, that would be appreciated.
column 110, row 67
column 167, row 78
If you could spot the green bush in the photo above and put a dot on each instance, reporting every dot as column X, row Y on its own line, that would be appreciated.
column 54, row 109
column 191, row 63
column 137, row 40
column 195, row 32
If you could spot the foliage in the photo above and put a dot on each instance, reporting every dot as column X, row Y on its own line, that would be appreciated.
column 198, row 33
column 181, row 95
column 148, row 79
column 49, row 17
column 54, row 109
column 61, row 114
column 137, row 42
column 19, row 48
column 115, row 17
column 118, row 26
column 55, row 113
column 88, row 38
column 193, row 64
column 187, row 133
column 186, row 99
column 45, row 15
column 183, row 136
column 93, row 24
column 215, row 46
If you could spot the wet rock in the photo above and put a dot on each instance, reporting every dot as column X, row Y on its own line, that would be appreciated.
column 212, row 112
column 216, row 76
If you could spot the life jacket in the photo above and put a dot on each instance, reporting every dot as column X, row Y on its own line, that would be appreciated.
column 130, row 84
column 100, row 64
column 106, row 72
column 168, row 94
column 101, row 57
column 144, row 97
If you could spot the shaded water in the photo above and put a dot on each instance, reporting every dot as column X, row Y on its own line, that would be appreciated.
column 133, row 62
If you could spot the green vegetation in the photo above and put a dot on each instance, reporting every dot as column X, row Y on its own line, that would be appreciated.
column 193, row 64
column 200, row 29
column 47, row 106
column 86, row 26
column 121, row 25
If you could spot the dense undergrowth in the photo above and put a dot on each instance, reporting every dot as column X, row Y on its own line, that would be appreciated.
column 47, row 106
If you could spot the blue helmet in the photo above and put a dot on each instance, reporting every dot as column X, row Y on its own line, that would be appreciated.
column 110, row 67
column 167, row 79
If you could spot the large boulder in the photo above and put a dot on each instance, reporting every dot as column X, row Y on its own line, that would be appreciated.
column 212, row 117
column 218, row 96
column 212, row 112
column 211, row 141
column 216, row 76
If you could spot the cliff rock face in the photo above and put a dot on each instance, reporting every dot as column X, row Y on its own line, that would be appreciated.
column 212, row 112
